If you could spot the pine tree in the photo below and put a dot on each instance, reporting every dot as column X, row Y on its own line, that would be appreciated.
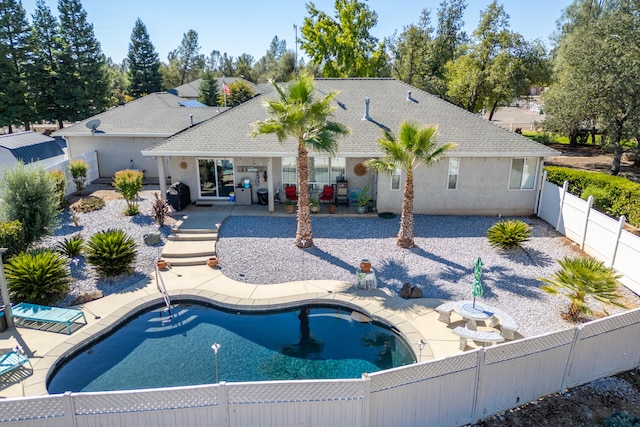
column 190, row 61
column 83, row 87
column 144, row 63
column 46, row 50
column 15, row 60
column 209, row 89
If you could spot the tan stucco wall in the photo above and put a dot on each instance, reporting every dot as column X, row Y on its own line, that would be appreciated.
column 115, row 153
column 482, row 190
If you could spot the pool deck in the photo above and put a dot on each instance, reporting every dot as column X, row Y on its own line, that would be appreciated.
column 415, row 319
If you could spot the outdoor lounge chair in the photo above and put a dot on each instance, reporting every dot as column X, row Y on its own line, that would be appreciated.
column 13, row 360
column 25, row 314
column 327, row 194
column 290, row 192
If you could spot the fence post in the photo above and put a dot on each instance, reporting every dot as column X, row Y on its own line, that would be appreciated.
column 586, row 222
column 366, row 400
column 479, row 367
column 565, row 187
column 224, row 404
column 69, row 409
column 621, row 222
column 572, row 352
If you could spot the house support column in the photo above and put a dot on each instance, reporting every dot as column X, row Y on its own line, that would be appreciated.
column 270, row 187
column 162, row 177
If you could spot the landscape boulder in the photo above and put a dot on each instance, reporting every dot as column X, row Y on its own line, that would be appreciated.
column 409, row 291
column 152, row 239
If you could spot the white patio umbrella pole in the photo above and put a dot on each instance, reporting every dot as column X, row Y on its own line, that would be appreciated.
column 5, row 293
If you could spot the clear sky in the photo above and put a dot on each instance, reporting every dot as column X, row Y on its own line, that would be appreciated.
column 249, row 26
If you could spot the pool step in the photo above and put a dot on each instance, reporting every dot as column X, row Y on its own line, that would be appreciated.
column 188, row 249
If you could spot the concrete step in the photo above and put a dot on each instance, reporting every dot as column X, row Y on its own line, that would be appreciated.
column 186, row 261
column 192, row 236
column 186, row 249
column 195, row 231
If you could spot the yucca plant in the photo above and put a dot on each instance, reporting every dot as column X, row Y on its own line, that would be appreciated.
column 580, row 278
column 508, row 234
column 111, row 252
column 160, row 210
column 71, row 247
column 38, row 277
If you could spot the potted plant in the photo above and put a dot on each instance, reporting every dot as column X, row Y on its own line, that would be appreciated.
column 332, row 208
column 362, row 199
column 314, row 205
column 289, row 206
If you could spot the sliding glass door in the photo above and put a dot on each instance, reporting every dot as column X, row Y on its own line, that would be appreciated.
column 216, row 178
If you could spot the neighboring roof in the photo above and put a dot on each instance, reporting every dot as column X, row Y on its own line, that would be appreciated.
column 30, row 146
column 158, row 114
column 229, row 134
column 191, row 90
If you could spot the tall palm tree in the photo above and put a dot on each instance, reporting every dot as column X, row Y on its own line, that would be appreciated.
column 413, row 146
column 297, row 114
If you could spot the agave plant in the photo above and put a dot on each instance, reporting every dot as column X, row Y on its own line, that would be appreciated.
column 580, row 278
column 71, row 247
column 112, row 252
column 38, row 277
column 508, row 234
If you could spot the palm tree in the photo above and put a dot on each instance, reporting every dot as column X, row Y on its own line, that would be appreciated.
column 414, row 146
column 582, row 277
column 297, row 114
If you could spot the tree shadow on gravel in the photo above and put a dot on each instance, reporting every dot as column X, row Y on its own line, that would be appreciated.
column 502, row 278
column 436, row 258
column 325, row 256
column 393, row 275
column 528, row 256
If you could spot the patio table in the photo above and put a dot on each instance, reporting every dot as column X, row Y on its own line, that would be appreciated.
column 472, row 314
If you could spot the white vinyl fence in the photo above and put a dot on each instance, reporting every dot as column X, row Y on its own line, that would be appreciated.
column 447, row 392
column 91, row 157
column 598, row 235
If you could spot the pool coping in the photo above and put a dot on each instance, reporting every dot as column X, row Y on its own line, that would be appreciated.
column 378, row 304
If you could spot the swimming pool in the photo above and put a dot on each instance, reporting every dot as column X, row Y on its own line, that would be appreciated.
column 159, row 349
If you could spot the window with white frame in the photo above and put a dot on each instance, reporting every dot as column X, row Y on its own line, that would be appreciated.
column 454, row 168
column 395, row 179
column 322, row 170
column 523, row 173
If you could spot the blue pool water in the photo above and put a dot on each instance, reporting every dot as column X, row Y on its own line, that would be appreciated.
column 158, row 349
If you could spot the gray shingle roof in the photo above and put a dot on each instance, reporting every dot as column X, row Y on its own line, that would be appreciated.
column 228, row 134
column 155, row 114
column 30, row 146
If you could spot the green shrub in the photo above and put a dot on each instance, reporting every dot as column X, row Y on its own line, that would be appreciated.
column 129, row 184
column 621, row 419
column 580, row 278
column 61, row 187
column 112, row 252
column 624, row 194
column 78, row 169
column 12, row 238
column 508, row 234
column 89, row 204
column 38, row 277
column 602, row 199
column 71, row 247
column 29, row 196
column 160, row 210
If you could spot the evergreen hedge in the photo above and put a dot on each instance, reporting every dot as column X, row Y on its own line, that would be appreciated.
column 619, row 195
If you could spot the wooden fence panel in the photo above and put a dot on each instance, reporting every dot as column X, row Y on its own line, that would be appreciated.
column 521, row 371
column 605, row 347
column 435, row 393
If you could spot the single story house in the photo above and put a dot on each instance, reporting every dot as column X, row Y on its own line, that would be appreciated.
column 30, row 148
column 491, row 171
column 121, row 133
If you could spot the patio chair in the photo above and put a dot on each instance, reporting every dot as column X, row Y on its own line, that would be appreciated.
column 327, row 194
column 13, row 360
column 291, row 192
